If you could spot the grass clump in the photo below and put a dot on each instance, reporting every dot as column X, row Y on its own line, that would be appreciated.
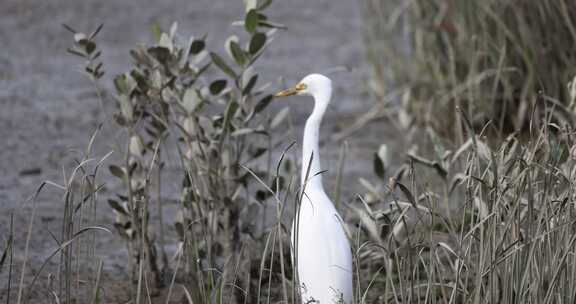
column 72, row 267
column 484, row 225
column 499, row 61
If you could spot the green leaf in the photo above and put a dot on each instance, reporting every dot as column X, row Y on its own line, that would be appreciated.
column 250, row 85
column 126, row 107
column 257, row 42
column 80, row 37
column 117, row 206
column 263, row 4
column 272, row 25
column 166, row 41
column 250, row 4
column 242, row 132
column 125, row 84
column 120, row 120
column 287, row 165
column 190, row 100
column 408, row 194
column 179, row 227
column 279, row 182
column 262, row 17
column 136, row 146
column 379, row 166
column 437, row 143
column 238, row 54
column 261, row 195
column 218, row 61
column 203, row 69
column 156, row 31
column 257, row 152
column 116, row 171
column 228, row 45
column 121, row 85
column 230, row 111
column 197, row 46
column 160, row 53
column 76, row 52
column 89, row 46
column 217, row 86
column 173, row 30
column 96, row 31
column 251, row 21
column 263, row 103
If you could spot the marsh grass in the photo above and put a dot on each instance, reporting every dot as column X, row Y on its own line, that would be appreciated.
column 496, row 226
column 466, row 224
column 72, row 268
column 496, row 60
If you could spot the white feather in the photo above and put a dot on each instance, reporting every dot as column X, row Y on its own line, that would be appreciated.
column 324, row 259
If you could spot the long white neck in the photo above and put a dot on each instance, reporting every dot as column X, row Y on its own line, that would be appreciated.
column 310, row 146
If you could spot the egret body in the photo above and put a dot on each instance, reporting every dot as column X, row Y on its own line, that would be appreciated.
column 321, row 250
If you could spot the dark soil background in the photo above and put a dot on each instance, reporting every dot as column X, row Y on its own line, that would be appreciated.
column 48, row 109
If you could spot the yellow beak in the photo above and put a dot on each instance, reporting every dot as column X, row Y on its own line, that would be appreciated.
column 288, row 92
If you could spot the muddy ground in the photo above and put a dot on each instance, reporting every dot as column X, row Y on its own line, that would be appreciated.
column 48, row 109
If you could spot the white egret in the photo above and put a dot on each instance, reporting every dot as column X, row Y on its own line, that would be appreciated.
column 323, row 255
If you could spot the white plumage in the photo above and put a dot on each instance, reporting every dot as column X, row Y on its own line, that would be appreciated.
column 323, row 255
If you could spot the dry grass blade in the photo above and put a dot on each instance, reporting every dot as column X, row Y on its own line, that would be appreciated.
column 27, row 246
column 63, row 246
column 96, row 293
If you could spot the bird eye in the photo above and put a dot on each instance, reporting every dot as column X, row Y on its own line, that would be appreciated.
column 301, row 87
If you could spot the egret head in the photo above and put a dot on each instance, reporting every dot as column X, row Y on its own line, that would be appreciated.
column 311, row 85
